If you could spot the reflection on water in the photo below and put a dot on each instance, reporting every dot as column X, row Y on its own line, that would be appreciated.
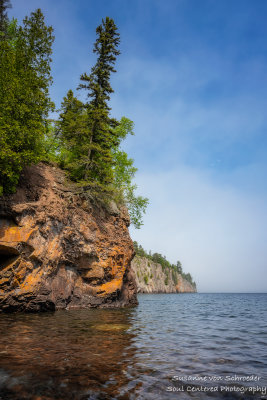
column 134, row 353
column 67, row 354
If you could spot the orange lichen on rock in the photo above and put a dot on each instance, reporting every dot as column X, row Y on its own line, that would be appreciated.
column 110, row 287
column 60, row 250
column 31, row 281
column 14, row 234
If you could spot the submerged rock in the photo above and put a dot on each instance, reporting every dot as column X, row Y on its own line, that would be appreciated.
column 59, row 249
column 111, row 327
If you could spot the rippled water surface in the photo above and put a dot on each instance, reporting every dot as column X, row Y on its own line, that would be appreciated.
column 172, row 346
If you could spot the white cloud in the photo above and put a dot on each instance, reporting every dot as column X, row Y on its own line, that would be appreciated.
column 217, row 232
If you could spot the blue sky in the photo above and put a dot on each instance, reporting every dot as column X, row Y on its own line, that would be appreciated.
column 192, row 76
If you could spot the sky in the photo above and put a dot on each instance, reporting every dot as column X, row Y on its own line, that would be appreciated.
column 192, row 75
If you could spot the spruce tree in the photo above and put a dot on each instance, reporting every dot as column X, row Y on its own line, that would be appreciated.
column 97, row 153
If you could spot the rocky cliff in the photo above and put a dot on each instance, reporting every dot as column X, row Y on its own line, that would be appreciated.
column 152, row 278
column 61, row 250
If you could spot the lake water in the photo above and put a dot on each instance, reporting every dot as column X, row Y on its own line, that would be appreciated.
column 172, row 346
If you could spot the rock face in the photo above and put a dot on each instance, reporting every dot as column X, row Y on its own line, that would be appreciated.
column 151, row 278
column 58, row 250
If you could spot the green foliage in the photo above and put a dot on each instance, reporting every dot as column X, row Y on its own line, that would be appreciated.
column 86, row 139
column 4, row 5
column 136, row 205
column 73, row 135
column 158, row 258
column 97, row 155
column 174, row 277
column 24, row 99
column 189, row 278
column 91, row 139
column 123, row 168
column 138, row 261
column 179, row 267
column 166, row 281
column 51, row 144
column 146, row 279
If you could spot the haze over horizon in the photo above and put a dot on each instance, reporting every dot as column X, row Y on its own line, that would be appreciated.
column 192, row 77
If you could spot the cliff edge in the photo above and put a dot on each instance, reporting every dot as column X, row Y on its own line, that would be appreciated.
column 151, row 277
column 61, row 250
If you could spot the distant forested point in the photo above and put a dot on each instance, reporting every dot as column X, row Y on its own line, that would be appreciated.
column 85, row 140
column 165, row 264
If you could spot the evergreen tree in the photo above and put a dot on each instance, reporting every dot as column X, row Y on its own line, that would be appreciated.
column 179, row 267
column 91, row 138
column 97, row 153
column 74, row 134
column 4, row 5
column 24, row 99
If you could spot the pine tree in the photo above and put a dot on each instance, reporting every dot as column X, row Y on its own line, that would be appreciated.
column 24, row 98
column 98, row 157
